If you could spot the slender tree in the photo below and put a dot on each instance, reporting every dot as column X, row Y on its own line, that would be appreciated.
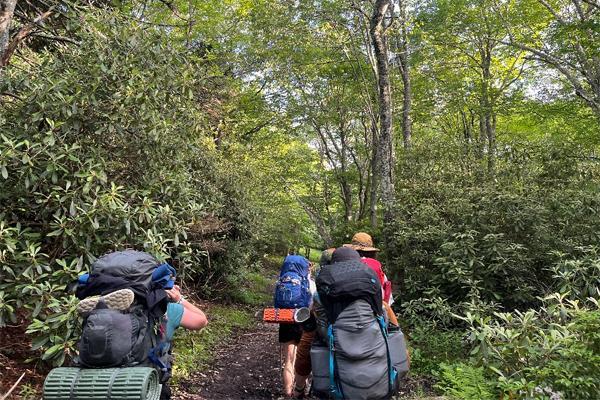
column 7, row 9
column 569, row 43
column 386, row 142
column 403, row 52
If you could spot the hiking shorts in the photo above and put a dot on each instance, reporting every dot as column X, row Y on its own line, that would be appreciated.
column 290, row 333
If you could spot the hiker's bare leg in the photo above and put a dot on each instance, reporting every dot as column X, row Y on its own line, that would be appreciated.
column 289, row 356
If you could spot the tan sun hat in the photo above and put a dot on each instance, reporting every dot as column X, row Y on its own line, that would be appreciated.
column 362, row 241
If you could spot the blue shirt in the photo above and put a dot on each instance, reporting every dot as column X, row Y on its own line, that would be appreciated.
column 174, row 314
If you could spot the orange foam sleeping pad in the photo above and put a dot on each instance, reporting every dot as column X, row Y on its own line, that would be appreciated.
column 279, row 315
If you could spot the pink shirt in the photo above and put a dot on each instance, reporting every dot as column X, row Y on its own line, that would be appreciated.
column 386, row 285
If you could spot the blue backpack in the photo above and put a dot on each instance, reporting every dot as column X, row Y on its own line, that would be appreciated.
column 293, row 288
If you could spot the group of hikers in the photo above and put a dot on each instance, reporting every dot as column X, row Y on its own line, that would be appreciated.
column 349, row 341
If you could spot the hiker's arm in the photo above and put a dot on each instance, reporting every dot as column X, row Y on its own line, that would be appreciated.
column 193, row 318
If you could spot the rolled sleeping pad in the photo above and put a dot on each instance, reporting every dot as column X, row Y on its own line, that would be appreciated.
column 279, row 315
column 131, row 383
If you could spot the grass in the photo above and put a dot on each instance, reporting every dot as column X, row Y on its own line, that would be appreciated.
column 195, row 349
column 257, row 289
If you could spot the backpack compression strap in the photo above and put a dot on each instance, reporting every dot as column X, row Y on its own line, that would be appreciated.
column 393, row 374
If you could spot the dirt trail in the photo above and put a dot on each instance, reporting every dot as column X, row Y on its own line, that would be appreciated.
column 245, row 368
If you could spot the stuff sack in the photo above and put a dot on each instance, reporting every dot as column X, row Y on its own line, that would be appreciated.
column 398, row 351
column 354, row 361
column 293, row 287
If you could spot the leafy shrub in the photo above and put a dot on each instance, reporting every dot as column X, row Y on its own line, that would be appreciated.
column 578, row 273
column 467, row 238
column 538, row 353
column 429, row 349
column 464, row 382
column 105, row 146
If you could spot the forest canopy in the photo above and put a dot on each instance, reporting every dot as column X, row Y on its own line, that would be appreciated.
column 463, row 135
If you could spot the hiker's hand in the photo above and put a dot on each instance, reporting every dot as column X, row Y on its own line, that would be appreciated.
column 174, row 294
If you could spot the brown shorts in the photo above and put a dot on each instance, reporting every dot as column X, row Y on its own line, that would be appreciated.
column 303, row 366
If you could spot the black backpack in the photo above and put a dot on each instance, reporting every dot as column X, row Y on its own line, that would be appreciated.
column 133, row 337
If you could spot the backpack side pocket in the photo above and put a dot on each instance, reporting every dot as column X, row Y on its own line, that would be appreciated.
column 107, row 338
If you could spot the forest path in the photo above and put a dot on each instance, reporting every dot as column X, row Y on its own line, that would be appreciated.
column 246, row 367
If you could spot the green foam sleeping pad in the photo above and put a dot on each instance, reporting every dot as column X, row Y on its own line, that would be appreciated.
column 132, row 383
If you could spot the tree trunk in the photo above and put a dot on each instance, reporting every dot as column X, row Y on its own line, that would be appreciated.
column 21, row 35
column 405, row 72
column 343, row 176
column 386, row 146
column 373, row 197
column 488, row 112
column 7, row 9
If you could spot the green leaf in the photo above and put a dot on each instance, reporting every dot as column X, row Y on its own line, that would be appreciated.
column 53, row 351
column 39, row 342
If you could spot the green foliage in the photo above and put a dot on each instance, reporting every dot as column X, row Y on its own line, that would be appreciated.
column 540, row 352
column 106, row 146
column 480, row 244
column 28, row 392
column 58, row 330
column 578, row 274
column 465, row 382
column 429, row 349
column 251, row 287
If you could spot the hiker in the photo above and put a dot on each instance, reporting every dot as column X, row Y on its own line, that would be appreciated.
column 356, row 305
column 363, row 243
column 302, row 367
column 292, row 291
column 180, row 313
column 129, row 295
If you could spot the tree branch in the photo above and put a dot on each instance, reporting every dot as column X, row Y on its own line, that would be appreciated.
column 23, row 33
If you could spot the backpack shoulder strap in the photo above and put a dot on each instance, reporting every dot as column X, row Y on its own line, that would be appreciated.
column 334, row 387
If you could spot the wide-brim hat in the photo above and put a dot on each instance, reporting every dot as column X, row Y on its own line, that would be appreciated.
column 362, row 241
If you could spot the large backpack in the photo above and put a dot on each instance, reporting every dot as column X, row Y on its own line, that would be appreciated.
column 133, row 337
column 293, row 287
column 359, row 358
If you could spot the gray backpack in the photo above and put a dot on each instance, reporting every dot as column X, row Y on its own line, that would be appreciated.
column 360, row 357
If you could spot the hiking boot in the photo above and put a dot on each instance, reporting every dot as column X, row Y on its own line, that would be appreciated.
column 118, row 300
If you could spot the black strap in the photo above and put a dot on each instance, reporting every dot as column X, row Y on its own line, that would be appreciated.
column 143, row 331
